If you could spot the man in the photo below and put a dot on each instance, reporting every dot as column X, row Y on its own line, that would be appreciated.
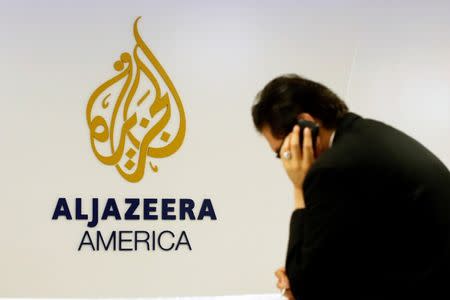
column 372, row 205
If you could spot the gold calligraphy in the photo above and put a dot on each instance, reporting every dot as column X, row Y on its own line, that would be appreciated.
column 132, row 117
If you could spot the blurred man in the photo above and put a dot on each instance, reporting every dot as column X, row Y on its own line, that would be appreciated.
column 372, row 205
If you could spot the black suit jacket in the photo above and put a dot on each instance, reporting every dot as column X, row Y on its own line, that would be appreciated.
column 377, row 219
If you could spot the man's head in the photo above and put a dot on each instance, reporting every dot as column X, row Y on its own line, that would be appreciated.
column 288, row 98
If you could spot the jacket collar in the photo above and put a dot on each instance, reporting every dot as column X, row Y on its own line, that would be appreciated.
column 344, row 123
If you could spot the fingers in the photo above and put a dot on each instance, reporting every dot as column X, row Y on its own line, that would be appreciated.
column 280, row 273
column 308, row 151
column 280, row 285
column 286, row 144
column 300, row 157
column 283, row 282
column 295, row 143
column 292, row 144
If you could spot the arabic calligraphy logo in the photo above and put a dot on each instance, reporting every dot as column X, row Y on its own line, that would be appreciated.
column 132, row 114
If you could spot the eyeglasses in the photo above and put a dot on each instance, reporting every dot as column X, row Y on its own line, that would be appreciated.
column 277, row 153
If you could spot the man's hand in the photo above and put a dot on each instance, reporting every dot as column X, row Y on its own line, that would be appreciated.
column 300, row 160
column 283, row 283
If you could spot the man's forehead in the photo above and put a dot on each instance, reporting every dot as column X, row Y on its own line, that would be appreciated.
column 274, row 143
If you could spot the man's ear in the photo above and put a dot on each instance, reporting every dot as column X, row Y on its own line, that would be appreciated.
column 306, row 117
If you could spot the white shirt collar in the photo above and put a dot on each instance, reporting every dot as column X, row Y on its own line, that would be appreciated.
column 331, row 139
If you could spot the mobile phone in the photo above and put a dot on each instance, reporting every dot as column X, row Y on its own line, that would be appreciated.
column 314, row 132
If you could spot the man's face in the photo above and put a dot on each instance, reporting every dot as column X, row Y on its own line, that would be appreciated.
column 274, row 143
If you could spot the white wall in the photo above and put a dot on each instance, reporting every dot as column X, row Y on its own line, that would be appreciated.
column 389, row 61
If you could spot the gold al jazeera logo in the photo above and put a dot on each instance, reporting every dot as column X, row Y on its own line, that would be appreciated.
column 137, row 115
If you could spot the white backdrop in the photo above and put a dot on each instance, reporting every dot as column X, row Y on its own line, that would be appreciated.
column 389, row 61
